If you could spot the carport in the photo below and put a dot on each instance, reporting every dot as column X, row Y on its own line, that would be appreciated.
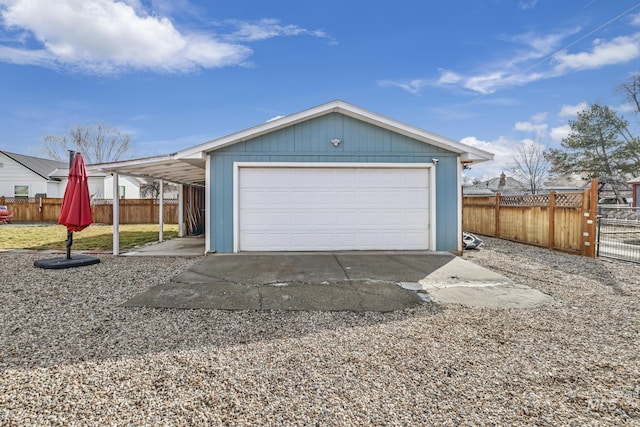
column 188, row 173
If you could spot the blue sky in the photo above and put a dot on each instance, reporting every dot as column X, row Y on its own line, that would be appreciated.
column 176, row 73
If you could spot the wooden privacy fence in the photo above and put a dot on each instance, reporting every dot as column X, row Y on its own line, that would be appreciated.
column 559, row 221
column 132, row 211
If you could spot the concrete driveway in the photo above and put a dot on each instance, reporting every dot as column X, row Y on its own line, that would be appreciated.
column 352, row 281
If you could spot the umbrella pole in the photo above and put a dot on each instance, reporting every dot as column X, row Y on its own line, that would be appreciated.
column 69, row 243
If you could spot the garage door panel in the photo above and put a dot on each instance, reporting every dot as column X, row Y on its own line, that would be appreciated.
column 412, row 219
column 319, row 208
column 255, row 197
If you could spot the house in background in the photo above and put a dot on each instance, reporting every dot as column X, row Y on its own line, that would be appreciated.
column 505, row 185
column 509, row 186
column 333, row 177
column 101, row 185
column 566, row 184
column 29, row 176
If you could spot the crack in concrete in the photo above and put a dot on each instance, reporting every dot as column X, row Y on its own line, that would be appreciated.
column 261, row 298
column 346, row 273
column 344, row 270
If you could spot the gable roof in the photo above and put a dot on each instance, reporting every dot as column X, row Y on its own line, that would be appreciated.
column 467, row 152
column 188, row 166
column 43, row 167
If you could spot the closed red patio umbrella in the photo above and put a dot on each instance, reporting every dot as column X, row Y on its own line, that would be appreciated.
column 75, row 214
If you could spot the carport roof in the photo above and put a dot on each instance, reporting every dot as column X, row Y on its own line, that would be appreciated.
column 168, row 167
column 188, row 166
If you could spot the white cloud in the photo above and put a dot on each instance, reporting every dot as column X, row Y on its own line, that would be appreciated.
column 24, row 57
column 504, row 150
column 269, row 28
column 538, row 45
column 533, row 58
column 109, row 36
column 539, row 117
column 572, row 110
column 105, row 36
column 449, row 77
column 560, row 132
column 413, row 86
column 528, row 4
column 616, row 51
column 626, row 108
column 514, row 70
column 540, row 129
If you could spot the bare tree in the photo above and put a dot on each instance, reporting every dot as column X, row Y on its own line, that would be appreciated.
column 631, row 91
column 152, row 189
column 531, row 166
column 98, row 143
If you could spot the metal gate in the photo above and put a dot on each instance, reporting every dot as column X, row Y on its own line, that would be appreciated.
column 619, row 233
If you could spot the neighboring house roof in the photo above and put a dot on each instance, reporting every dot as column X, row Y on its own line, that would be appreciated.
column 188, row 166
column 504, row 185
column 64, row 173
column 469, row 191
column 43, row 167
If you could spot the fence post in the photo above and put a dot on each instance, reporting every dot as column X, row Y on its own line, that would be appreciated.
column 497, row 216
column 552, row 220
column 590, row 214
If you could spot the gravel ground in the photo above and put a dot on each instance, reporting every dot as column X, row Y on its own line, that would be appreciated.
column 69, row 354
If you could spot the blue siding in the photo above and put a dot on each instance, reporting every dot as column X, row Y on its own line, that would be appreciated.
column 309, row 141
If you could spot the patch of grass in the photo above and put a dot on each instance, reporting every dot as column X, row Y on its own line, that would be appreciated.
column 94, row 237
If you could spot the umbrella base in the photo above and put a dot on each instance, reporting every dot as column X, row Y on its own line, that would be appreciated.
column 74, row 261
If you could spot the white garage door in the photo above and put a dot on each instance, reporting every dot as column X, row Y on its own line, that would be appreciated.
column 332, row 208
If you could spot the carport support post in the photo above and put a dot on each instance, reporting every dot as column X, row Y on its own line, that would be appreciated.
column 181, row 210
column 161, row 213
column 116, row 215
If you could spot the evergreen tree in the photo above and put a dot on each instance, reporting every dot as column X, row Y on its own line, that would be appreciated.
column 599, row 144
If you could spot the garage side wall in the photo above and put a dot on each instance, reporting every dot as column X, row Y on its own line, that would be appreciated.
column 310, row 141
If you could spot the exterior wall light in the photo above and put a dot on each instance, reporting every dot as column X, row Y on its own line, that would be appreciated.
column 336, row 141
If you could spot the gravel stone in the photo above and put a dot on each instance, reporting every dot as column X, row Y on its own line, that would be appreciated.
column 70, row 354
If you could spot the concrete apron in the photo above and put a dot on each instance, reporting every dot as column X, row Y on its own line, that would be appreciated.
column 180, row 246
column 372, row 281
column 462, row 282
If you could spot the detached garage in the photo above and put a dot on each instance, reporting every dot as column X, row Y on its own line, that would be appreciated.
column 334, row 177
